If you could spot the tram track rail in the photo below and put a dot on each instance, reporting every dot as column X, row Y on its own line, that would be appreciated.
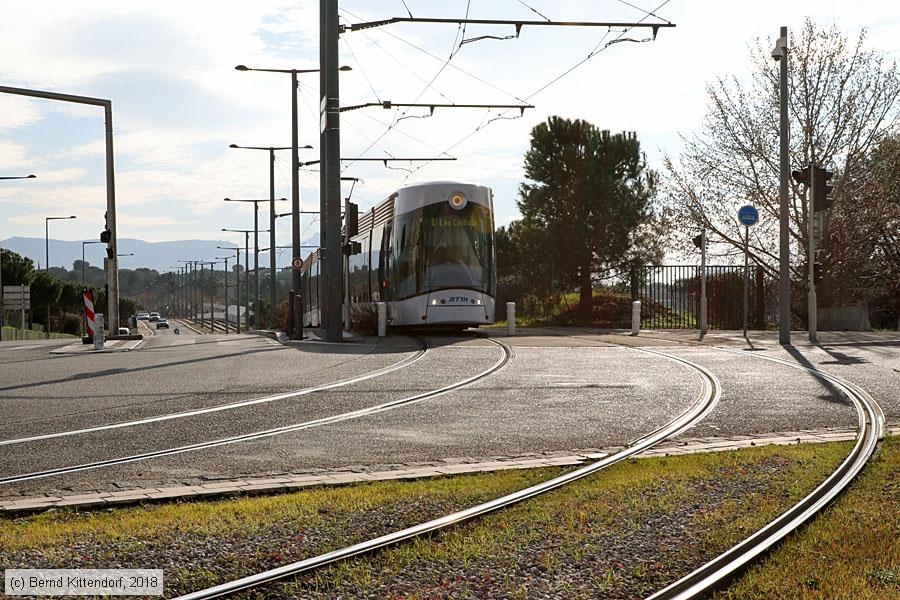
column 705, row 402
column 423, row 349
column 718, row 572
column 502, row 361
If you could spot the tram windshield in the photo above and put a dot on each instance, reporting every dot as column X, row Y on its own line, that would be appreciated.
column 437, row 247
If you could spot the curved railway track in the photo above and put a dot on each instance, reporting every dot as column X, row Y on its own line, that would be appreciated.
column 506, row 356
column 719, row 571
column 705, row 402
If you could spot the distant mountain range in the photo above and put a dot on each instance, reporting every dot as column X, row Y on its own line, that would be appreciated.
column 162, row 256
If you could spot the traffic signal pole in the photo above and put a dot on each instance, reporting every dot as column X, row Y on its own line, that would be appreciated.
column 112, row 271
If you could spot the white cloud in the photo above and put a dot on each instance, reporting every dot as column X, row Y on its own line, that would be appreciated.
column 15, row 156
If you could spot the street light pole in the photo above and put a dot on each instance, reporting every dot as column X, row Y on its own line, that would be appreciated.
column 272, row 215
column 256, row 233
column 237, row 283
column 780, row 54
column 295, row 165
column 226, row 291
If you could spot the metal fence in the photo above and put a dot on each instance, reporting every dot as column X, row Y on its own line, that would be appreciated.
column 670, row 296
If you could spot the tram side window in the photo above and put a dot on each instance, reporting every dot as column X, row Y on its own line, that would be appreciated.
column 358, row 273
column 375, row 271
column 314, row 286
column 408, row 259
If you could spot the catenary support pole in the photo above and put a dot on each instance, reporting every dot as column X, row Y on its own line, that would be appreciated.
column 257, row 317
column 330, row 169
column 272, row 253
column 295, row 206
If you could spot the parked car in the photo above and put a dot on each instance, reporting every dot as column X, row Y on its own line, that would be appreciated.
column 162, row 323
column 143, row 316
column 124, row 331
column 154, row 316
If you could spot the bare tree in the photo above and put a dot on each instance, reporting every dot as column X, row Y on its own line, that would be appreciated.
column 843, row 103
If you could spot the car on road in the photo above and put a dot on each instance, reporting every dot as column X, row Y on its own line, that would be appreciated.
column 143, row 316
column 124, row 331
column 154, row 316
column 162, row 323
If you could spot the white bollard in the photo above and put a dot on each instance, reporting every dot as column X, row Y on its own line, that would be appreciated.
column 635, row 317
column 382, row 318
column 98, row 331
column 511, row 318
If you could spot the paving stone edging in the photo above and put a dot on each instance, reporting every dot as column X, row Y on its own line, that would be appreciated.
column 287, row 483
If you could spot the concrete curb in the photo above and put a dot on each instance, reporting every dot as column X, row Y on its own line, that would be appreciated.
column 252, row 486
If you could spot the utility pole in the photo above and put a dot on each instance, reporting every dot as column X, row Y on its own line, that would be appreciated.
column 780, row 54
column 330, row 177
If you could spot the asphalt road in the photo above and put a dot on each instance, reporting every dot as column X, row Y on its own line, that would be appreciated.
column 558, row 393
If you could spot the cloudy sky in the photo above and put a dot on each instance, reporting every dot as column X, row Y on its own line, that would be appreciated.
column 178, row 102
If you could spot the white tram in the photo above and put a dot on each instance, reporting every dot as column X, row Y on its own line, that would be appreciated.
column 427, row 251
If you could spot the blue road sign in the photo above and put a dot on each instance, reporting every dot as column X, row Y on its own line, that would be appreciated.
column 748, row 215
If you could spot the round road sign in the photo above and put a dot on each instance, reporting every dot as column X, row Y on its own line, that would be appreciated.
column 297, row 263
column 748, row 215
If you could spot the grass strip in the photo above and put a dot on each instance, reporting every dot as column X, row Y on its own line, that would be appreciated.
column 622, row 534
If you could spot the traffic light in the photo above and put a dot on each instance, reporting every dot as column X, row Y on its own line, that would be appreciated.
column 351, row 216
column 818, row 273
column 104, row 236
column 801, row 176
column 352, row 248
column 698, row 240
column 822, row 188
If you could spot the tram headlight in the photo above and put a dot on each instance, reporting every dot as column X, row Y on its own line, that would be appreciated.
column 457, row 200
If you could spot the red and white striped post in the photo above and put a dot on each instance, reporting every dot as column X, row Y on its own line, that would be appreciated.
column 89, row 311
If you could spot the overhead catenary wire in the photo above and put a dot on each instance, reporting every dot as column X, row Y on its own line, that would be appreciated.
column 600, row 47
column 361, row 69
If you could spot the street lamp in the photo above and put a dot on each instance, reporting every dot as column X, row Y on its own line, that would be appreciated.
column 226, row 258
column 271, row 229
column 295, row 175
column 271, row 150
column 247, row 233
column 47, row 255
column 32, row 176
column 237, row 284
